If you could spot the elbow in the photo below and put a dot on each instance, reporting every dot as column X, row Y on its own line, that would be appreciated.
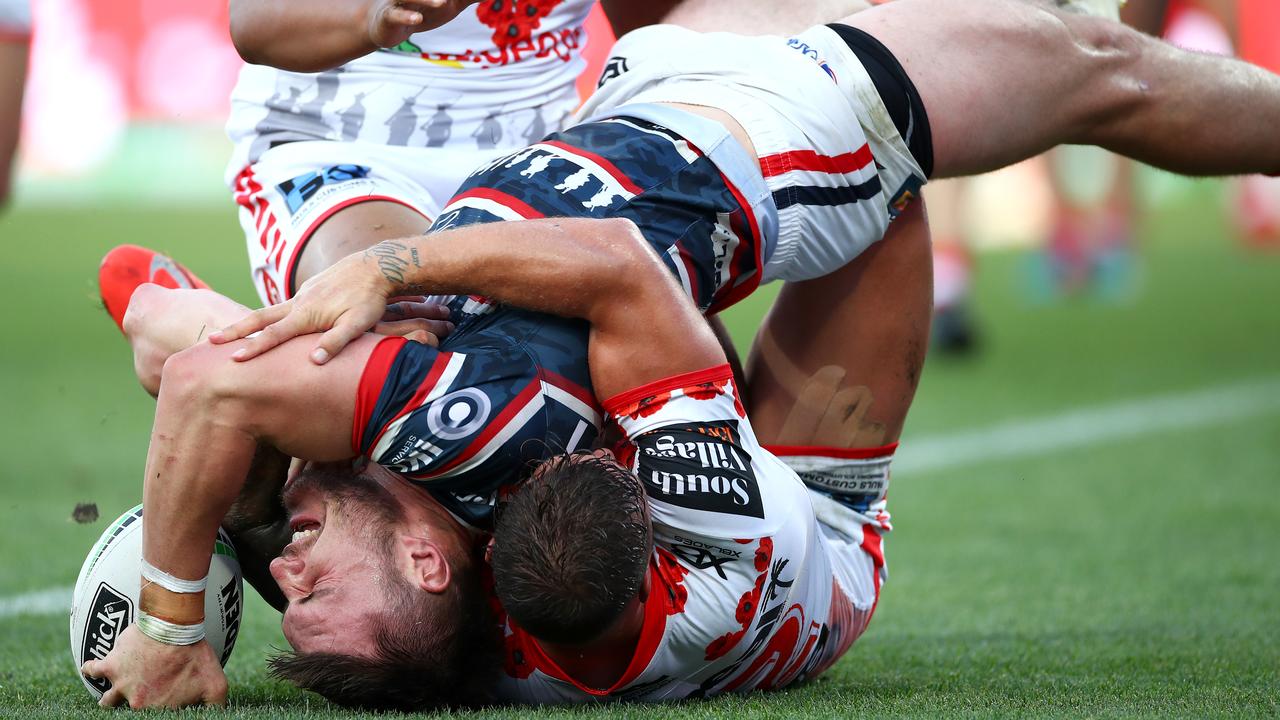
column 203, row 380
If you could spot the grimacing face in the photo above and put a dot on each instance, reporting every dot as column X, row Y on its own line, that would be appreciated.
column 337, row 570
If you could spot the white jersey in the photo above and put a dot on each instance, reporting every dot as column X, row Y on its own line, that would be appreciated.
column 490, row 78
column 748, row 590
column 15, row 20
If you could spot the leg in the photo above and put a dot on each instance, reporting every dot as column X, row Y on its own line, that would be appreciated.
column 160, row 322
column 844, row 377
column 353, row 229
column 1003, row 80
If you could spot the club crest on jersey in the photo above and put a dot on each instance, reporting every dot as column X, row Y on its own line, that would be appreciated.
column 695, row 467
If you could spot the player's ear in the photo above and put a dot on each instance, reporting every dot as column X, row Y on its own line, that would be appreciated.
column 428, row 565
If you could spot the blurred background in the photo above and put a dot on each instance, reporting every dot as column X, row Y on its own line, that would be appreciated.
column 1089, row 482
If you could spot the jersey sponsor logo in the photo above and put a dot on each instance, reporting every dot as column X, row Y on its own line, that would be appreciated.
column 458, row 414
column 304, row 187
column 616, row 66
column 229, row 599
column 700, row 466
column 702, row 559
column 110, row 613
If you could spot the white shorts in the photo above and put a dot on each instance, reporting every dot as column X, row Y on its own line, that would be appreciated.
column 837, row 167
column 293, row 188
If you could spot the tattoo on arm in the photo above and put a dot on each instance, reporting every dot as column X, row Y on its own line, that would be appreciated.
column 393, row 259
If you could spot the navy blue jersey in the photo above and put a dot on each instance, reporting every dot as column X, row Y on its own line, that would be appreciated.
column 688, row 211
column 510, row 387
column 506, row 389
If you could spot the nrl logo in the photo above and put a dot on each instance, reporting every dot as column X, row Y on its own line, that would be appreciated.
column 110, row 613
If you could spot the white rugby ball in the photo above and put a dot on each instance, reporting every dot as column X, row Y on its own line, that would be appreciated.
column 106, row 595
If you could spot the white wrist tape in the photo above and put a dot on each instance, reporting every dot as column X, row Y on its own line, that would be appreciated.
column 172, row 584
column 169, row 633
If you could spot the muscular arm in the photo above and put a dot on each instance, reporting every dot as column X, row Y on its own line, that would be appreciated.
column 643, row 326
column 314, row 35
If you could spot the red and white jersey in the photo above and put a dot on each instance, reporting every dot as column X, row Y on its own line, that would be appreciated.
column 748, row 590
column 15, row 20
column 499, row 76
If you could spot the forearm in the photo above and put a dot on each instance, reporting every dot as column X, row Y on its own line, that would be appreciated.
column 564, row 266
column 301, row 36
column 196, row 466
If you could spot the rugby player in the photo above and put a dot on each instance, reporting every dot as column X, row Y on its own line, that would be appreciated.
column 1096, row 106
column 354, row 121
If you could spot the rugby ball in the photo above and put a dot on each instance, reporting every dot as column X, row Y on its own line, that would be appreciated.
column 105, row 600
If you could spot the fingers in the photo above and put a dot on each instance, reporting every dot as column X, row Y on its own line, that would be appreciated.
column 112, row 698
column 271, row 336
column 397, row 15
column 403, row 308
column 255, row 321
column 428, row 332
column 93, row 668
column 332, row 342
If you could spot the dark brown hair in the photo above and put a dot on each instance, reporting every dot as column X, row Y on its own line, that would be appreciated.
column 570, row 548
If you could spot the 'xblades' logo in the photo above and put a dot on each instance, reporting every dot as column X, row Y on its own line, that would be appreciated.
column 702, row 559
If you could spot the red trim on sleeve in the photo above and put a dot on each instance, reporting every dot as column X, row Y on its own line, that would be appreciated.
column 832, row 452
column 651, row 632
column 424, row 388
column 315, row 225
column 569, row 386
column 376, row 369
column 675, row 382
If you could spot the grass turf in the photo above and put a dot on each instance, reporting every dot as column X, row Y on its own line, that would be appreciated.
column 1122, row 579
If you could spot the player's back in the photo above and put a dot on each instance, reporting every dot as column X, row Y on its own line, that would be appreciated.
column 743, row 589
column 506, row 389
column 712, row 230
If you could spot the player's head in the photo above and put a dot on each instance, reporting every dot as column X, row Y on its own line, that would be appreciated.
column 385, row 608
column 571, row 547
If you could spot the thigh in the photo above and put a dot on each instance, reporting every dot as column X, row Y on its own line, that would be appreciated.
column 1001, row 80
column 838, row 358
column 338, row 197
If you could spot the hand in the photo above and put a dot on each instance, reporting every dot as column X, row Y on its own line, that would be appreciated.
column 391, row 22
column 346, row 300
column 414, row 319
column 145, row 673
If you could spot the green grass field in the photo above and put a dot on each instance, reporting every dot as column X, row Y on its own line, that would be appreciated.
column 1132, row 573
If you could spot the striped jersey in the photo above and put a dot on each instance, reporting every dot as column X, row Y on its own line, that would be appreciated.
column 745, row 589
column 510, row 387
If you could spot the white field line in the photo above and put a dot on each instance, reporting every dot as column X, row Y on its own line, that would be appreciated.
column 40, row 602
column 1019, row 438
column 1090, row 426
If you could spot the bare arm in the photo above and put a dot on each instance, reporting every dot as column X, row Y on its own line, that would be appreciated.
column 627, row 15
column 312, row 36
column 600, row 270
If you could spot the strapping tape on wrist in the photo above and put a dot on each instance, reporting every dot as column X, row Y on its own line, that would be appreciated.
column 169, row 633
column 171, row 583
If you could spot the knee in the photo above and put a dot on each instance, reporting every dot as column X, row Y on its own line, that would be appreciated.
column 1111, row 56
